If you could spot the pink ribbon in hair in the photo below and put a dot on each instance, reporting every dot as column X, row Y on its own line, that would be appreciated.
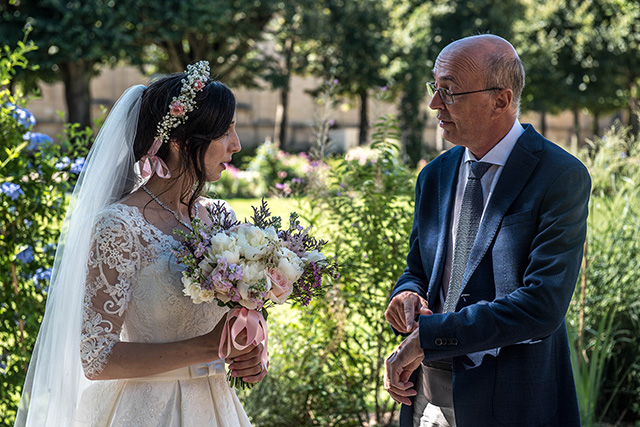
column 150, row 163
column 249, row 320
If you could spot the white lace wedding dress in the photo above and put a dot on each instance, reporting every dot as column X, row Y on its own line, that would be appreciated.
column 134, row 293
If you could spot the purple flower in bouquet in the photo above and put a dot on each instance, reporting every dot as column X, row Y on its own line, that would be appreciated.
column 248, row 266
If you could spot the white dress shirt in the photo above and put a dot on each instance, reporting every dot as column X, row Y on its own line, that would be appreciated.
column 497, row 156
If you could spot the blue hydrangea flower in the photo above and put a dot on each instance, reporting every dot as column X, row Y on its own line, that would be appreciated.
column 77, row 165
column 26, row 256
column 11, row 190
column 36, row 140
column 42, row 275
column 22, row 116
column 63, row 163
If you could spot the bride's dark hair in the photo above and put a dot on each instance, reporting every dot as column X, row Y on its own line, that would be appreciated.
column 211, row 118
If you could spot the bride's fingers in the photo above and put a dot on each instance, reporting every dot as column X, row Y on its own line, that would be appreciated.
column 249, row 353
column 262, row 372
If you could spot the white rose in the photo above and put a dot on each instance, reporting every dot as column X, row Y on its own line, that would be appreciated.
column 271, row 234
column 221, row 242
column 314, row 256
column 252, row 242
column 290, row 264
column 252, row 272
column 191, row 289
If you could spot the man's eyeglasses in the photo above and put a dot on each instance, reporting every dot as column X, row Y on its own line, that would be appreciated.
column 447, row 95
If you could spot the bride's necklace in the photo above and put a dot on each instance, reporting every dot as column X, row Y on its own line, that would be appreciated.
column 163, row 206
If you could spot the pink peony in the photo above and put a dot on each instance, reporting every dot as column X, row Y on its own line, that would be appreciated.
column 281, row 288
column 197, row 85
column 176, row 109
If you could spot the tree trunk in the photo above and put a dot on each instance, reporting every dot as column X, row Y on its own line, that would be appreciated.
column 364, row 118
column 77, row 78
column 595, row 126
column 634, row 107
column 575, row 139
column 284, row 121
column 413, row 121
column 543, row 123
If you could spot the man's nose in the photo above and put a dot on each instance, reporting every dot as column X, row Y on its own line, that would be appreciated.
column 436, row 102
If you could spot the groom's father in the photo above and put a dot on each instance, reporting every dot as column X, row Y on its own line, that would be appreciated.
column 495, row 251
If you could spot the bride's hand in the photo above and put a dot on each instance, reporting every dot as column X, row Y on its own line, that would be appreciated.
column 248, row 366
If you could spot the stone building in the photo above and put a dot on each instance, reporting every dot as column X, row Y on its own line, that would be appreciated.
column 257, row 110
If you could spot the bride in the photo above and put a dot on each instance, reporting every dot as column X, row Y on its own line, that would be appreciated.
column 120, row 345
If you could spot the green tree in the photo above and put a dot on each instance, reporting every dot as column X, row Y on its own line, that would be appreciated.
column 175, row 34
column 74, row 37
column 353, row 45
column 423, row 29
column 289, row 31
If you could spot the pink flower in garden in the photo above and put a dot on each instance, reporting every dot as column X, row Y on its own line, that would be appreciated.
column 197, row 85
column 176, row 109
column 282, row 174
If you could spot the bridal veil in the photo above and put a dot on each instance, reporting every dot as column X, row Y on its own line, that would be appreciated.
column 55, row 379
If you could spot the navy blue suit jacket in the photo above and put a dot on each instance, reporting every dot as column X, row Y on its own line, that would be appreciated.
column 507, row 338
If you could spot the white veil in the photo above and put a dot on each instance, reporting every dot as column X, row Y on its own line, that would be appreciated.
column 55, row 379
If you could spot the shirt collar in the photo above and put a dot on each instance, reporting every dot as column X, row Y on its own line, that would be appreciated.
column 499, row 154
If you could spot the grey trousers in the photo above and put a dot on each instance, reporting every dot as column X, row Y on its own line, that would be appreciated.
column 433, row 405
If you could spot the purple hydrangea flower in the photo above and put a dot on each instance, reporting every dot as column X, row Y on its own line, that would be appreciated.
column 26, row 256
column 11, row 190
column 77, row 165
column 63, row 163
column 36, row 140
column 22, row 116
column 42, row 275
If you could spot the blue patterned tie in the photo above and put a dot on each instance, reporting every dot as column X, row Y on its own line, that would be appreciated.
column 470, row 214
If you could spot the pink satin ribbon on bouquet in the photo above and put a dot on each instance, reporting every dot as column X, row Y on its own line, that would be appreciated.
column 256, row 327
column 150, row 163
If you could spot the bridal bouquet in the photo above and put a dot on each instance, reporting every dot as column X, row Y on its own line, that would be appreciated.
column 248, row 266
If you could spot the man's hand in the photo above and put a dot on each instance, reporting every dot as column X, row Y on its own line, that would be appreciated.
column 399, row 366
column 401, row 313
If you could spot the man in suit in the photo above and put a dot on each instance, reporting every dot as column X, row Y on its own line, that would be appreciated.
column 490, row 274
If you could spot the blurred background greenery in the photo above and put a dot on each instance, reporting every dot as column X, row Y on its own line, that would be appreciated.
column 326, row 359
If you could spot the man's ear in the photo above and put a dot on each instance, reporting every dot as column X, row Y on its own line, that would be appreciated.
column 502, row 101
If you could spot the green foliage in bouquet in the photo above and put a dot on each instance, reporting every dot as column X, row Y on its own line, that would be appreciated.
column 340, row 342
column 610, row 281
column 35, row 175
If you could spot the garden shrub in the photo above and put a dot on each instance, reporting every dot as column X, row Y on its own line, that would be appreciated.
column 35, row 174
column 328, row 362
column 610, row 281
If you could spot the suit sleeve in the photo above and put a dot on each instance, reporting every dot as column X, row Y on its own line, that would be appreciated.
column 414, row 278
column 537, row 306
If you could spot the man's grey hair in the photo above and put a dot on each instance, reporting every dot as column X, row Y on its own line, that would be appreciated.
column 505, row 70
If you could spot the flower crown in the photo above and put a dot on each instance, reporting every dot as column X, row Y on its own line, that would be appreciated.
column 150, row 163
column 181, row 105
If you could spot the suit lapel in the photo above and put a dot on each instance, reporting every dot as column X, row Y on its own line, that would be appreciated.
column 517, row 170
column 447, row 180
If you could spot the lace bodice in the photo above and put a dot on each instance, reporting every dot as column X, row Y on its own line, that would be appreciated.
column 133, row 289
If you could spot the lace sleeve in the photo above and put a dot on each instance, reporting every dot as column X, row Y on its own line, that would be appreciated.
column 114, row 259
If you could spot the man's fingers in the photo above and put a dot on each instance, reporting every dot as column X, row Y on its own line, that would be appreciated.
column 410, row 313
column 395, row 316
column 401, row 396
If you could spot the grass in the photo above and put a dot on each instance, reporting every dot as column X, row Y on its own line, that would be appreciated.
column 278, row 206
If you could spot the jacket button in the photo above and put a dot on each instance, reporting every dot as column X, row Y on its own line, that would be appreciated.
column 438, row 341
